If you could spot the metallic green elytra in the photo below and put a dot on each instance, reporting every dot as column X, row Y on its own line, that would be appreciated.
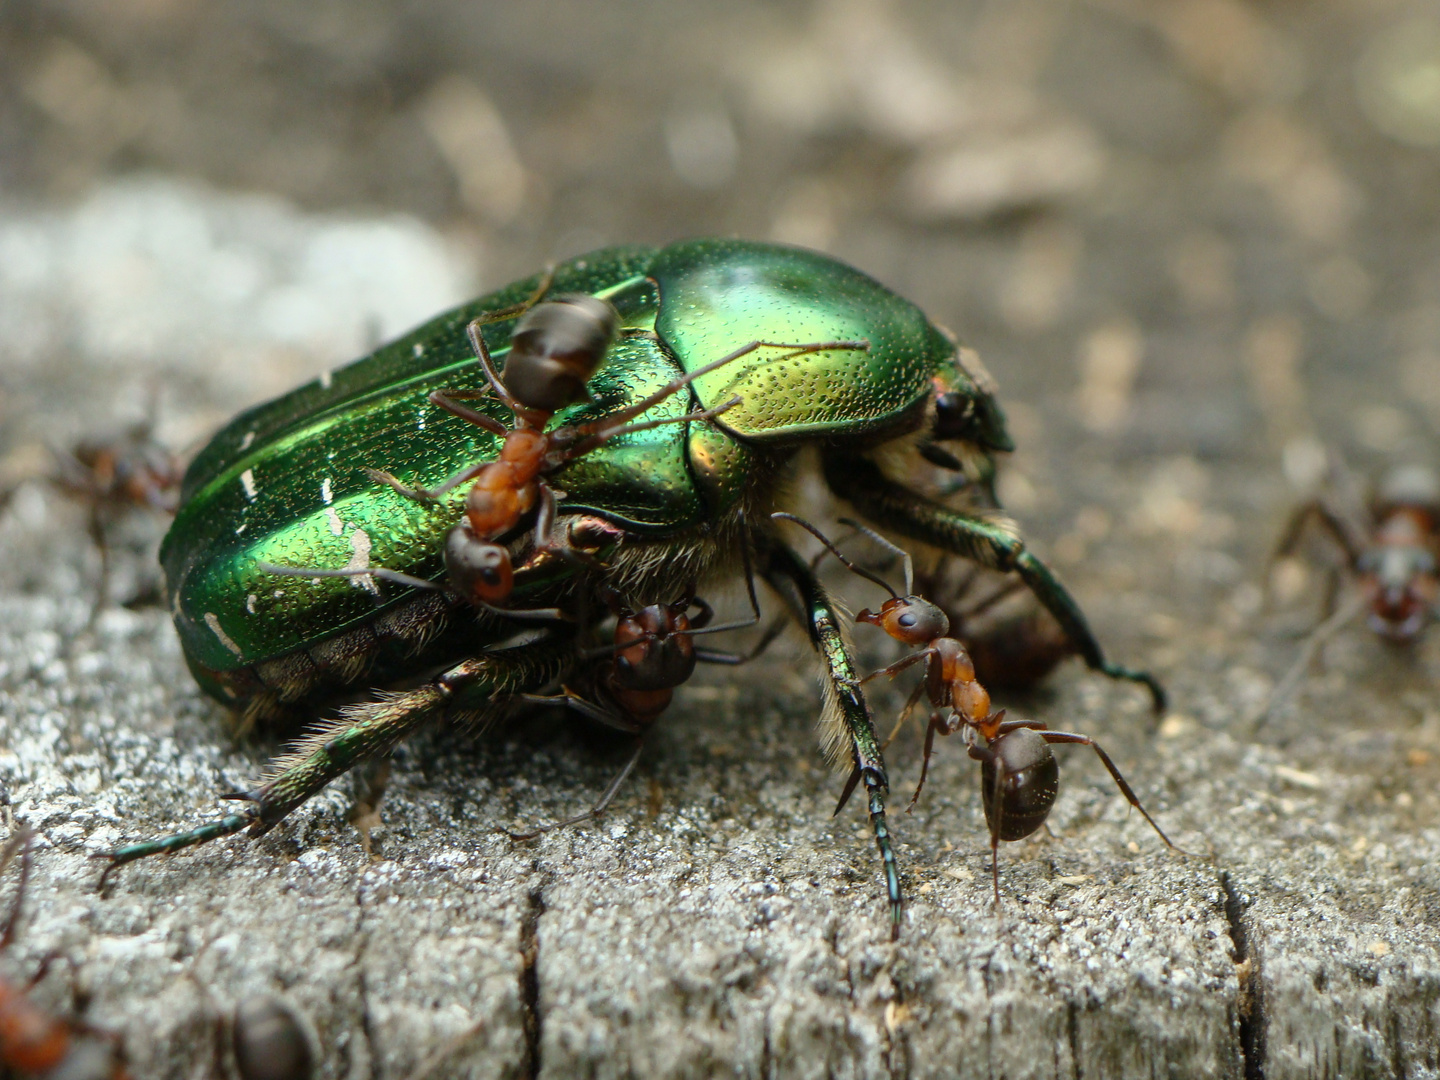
column 656, row 512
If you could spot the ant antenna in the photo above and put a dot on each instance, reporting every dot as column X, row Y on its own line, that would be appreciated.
column 866, row 574
column 893, row 548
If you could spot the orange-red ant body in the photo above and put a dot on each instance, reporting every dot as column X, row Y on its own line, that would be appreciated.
column 1020, row 777
column 32, row 1042
column 556, row 346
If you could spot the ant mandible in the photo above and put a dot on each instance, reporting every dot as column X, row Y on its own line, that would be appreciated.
column 1019, row 776
column 32, row 1042
column 555, row 347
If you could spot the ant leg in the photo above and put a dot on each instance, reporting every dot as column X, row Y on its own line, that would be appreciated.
column 19, row 841
column 348, row 572
column 675, row 385
column 427, row 495
column 596, row 810
column 1308, row 652
column 899, row 665
column 483, row 685
column 939, row 724
column 711, row 656
column 568, row 698
column 1316, row 511
column 985, row 537
column 905, row 714
column 102, row 544
column 450, row 404
column 1086, row 740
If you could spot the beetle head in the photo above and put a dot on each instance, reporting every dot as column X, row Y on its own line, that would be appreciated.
column 478, row 569
column 556, row 347
column 966, row 408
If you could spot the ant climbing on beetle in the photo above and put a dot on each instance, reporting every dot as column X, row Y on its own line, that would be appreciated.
column 555, row 347
column 32, row 1042
column 1019, row 776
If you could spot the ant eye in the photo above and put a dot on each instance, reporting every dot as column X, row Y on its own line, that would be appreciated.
column 906, row 620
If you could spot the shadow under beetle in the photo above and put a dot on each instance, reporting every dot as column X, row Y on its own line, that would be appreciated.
column 650, row 512
column 1019, row 776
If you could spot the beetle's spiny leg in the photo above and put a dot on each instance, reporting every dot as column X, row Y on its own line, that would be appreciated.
column 842, row 690
column 479, row 419
column 991, row 540
column 1120, row 782
column 600, row 806
column 482, row 684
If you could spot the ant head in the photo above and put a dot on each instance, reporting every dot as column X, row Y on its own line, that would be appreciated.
column 1402, row 590
column 555, row 348
column 911, row 619
column 656, row 653
column 1018, row 784
column 478, row 569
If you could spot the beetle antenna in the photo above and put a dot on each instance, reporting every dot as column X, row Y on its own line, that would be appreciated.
column 894, row 548
column 813, row 531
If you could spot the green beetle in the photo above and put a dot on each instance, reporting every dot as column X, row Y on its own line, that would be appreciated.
column 291, row 483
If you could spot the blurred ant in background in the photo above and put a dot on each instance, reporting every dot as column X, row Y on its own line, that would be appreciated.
column 32, row 1042
column 1019, row 776
column 1389, row 551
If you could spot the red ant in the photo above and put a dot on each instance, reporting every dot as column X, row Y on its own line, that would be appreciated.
column 1392, row 557
column 32, row 1042
column 1018, row 773
column 651, row 655
column 112, row 476
column 555, row 348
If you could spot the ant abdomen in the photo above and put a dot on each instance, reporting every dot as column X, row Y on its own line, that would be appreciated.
column 555, row 349
column 1030, row 781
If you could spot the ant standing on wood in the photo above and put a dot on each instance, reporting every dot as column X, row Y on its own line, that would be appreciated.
column 1392, row 557
column 556, row 346
column 33, row 1043
column 1019, row 777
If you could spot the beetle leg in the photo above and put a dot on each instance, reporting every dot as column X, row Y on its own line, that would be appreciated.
column 792, row 578
column 1125, row 789
column 991, row 541
column 485, row 684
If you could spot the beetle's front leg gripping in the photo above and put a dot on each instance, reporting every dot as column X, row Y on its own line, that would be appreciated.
column 484, row 684
column 784, row 568
column 990, row 541
column 1061, row 604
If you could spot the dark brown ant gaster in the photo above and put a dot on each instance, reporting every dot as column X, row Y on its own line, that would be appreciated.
column 555, row 347
column 32, row 1042
column 1019, row 776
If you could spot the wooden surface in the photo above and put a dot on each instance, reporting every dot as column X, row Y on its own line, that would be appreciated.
column 1211, row 264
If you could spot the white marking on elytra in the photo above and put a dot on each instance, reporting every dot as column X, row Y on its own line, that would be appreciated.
column 213, row 621
column 250, row 603
column 278, row 594
column 240, row 529
column 247, row 440
column 325, row 493
column 336, row 525
column 326, row 378
column 360, row 560
column 420, row 425
column 247, row 481
column 418, row 350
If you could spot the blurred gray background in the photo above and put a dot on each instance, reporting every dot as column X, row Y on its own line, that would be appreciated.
column 1195, row 241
